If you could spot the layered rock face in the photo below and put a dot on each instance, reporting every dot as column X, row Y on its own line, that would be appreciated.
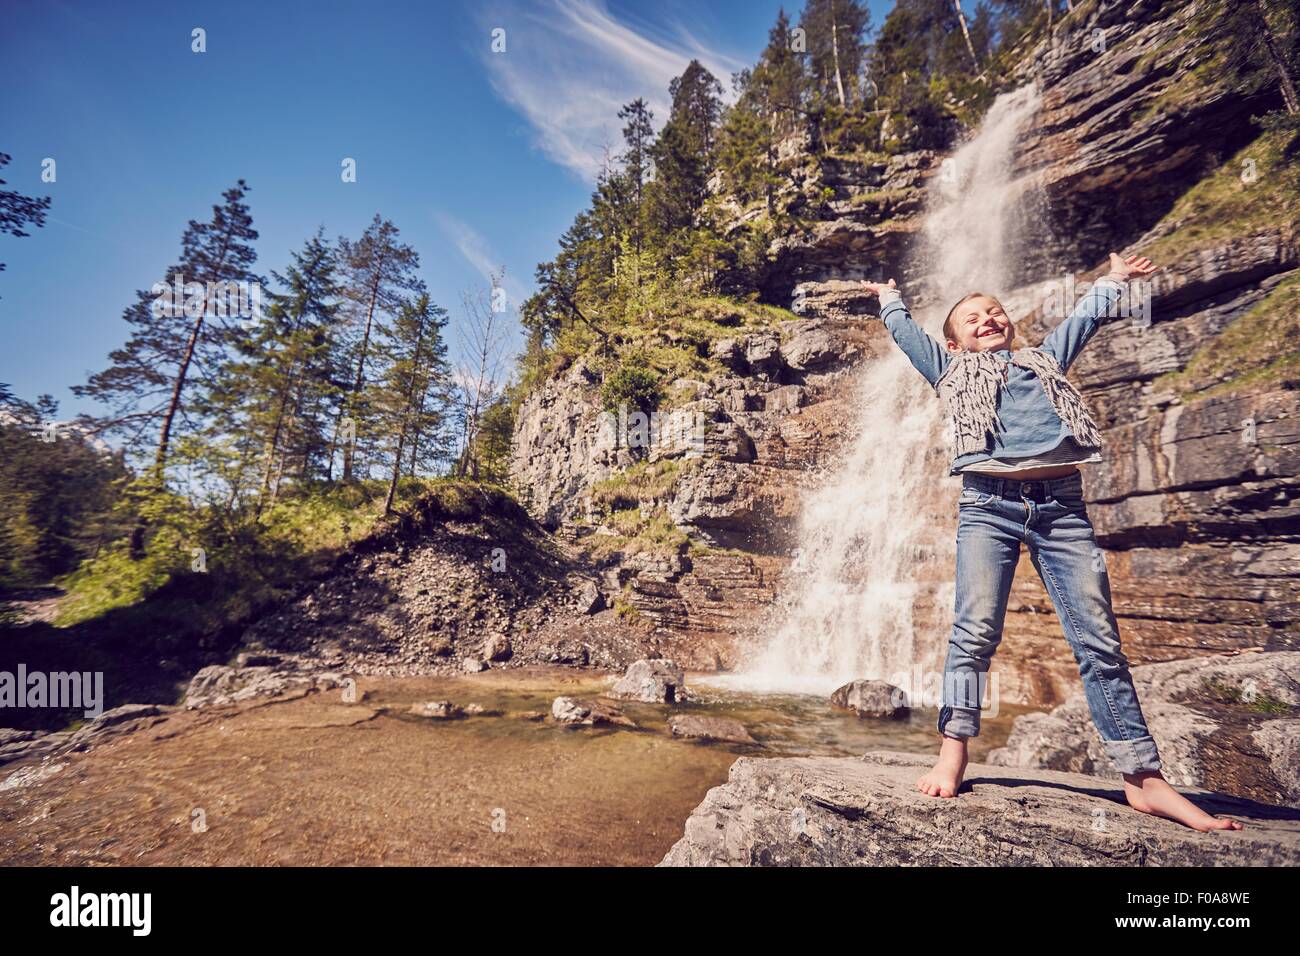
column 1196, row 503
column 1133, row 110
column 771, row 420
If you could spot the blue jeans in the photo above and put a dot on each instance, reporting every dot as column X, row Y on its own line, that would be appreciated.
column 1049, row 517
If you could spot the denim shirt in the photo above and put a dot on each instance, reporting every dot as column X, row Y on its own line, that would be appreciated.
column 1027, row 424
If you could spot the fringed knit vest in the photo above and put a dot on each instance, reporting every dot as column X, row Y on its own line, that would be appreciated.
column 969, row 388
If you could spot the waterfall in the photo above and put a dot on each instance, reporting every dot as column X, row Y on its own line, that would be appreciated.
column 874, row 531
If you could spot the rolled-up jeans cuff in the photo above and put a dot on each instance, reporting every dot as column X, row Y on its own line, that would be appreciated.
column 959, row 722
column 1133, row 756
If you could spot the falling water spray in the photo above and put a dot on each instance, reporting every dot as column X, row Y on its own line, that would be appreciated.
column 851, row 595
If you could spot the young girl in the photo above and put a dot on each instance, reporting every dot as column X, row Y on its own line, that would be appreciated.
column 1021, row 431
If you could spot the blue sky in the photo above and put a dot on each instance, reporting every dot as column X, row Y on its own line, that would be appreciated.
column 481, row 159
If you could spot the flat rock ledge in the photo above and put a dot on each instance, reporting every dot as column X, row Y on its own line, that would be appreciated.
column 865, row 811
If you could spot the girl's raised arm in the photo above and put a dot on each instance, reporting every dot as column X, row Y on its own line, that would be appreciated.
column 926, row 353
column 1067, row 340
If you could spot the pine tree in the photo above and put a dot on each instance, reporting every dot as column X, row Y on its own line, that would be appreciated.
column 278, row 392
column 562, row 284
column 493, row 441
column 638, row 142
column 378, row 274
column 178, row 338
column 411, row 395
column 835, row 31
column 768, row 108
column 17, row 210
column 684, row 154
column 57, row 488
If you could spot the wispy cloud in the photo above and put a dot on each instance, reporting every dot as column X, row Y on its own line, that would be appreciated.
column 570, row 65
column 478, row 253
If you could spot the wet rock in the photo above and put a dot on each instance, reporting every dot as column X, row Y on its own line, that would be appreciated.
column 438, row 710
column 30, row 776
column 847, row 811
column 709, row 728
column 126, row 719
column 10, row 735
column 653, row 681
column 871, row 698
column 23, row 745
column 570, row 710
column 220, row 685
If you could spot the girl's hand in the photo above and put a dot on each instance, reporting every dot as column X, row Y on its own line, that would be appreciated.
column 875, row 288
column 1128, row 268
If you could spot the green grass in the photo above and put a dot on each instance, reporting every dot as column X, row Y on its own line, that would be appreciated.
column 248, row 565
column 638, row 531
column 670, row 330
column 641, row 483
column 1259, row 703
column 1222, row 207
column 1256, row 349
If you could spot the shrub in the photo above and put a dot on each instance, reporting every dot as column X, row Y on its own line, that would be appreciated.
column 633, row 384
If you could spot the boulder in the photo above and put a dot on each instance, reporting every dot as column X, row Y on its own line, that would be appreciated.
column 697, row 727
column 438, row 710
column 652, row 681
column 220, row 685
column 866, row 811
column 588, row 598
column 496, row 647
column 871, row 698
column 570, row 710
column 1216, row 718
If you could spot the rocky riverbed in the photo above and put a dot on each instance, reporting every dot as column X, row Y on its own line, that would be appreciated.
column 370, row 773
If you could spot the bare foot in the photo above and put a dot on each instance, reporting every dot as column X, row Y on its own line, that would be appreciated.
column 1149, row 792
column 945, row 778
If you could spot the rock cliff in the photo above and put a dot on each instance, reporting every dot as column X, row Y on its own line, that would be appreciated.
column 1137, row 144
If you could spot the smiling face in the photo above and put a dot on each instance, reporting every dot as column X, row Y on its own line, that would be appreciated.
column 978, row 323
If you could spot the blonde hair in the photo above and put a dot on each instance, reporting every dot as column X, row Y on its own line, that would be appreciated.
column 949, row 332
